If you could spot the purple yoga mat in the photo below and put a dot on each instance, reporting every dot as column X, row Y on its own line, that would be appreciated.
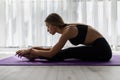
column 15, row 61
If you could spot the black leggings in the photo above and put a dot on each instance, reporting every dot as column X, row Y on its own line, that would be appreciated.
column 99, row 50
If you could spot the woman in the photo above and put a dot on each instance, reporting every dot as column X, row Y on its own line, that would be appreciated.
column 95, row 48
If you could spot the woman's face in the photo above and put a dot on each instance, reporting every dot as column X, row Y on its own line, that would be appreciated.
column 50, row 28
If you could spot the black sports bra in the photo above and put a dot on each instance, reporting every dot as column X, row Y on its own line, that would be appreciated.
column 80, row 38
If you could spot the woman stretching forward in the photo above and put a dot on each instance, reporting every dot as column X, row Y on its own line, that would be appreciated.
column 95, row 48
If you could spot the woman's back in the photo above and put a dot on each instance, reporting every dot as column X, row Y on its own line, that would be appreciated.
column 92, row 35
column 86, row 31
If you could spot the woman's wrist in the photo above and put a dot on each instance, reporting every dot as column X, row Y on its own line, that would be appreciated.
column 29, row 51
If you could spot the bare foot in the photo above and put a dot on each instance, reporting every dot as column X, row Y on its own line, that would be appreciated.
column 31, row 57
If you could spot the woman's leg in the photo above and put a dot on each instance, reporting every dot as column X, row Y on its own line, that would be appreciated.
column 86, row 53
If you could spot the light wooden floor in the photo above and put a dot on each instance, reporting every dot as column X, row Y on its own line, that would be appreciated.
column 59, row 72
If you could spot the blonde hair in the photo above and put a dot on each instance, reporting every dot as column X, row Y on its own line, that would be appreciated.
column 55, row 19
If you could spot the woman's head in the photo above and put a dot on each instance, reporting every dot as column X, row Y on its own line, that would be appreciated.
column 55, row 20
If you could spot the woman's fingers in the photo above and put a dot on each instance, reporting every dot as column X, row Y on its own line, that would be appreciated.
column 18, row 52
column 21, row 53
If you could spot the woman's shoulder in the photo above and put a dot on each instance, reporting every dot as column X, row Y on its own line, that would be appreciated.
column 71, row 30
column 75, row 24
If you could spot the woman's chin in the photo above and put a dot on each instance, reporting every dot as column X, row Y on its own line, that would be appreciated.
column 52, row 33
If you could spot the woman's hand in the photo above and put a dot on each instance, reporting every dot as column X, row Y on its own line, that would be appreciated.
column 23, row 52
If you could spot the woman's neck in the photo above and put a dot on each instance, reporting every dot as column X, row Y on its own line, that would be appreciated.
column 60, row 31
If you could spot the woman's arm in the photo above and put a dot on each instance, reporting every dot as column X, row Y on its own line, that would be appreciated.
column 52, row 51
column 56, row 48
column 41, row 48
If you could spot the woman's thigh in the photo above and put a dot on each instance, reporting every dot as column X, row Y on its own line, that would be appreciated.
column 81, row 52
